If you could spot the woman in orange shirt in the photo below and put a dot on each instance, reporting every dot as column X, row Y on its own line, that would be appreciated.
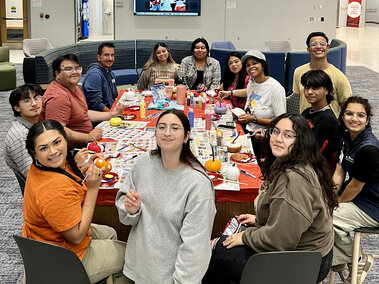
column 58, row 205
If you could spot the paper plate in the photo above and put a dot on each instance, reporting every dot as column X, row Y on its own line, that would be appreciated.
column 242, row 157
column 216, row 178
column 211, row 92
column 238, row 111
column 111, row 178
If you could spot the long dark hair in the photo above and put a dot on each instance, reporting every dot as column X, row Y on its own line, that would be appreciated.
column 39, row 128
column 186, row 155
column 305, row 151
column 202, row 40
column 153, row 58
column 317, row 79
column 229, row 75
column 355, row 100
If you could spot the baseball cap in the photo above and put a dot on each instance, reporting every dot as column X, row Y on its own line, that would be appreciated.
column 253, row 53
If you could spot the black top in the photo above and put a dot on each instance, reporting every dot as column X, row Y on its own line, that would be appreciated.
column 324, row 127
column 366, row 165
column 199, row 80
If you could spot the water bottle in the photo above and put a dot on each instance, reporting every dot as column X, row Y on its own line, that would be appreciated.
column 180, row 94
column 208, row 123
column 191, row 117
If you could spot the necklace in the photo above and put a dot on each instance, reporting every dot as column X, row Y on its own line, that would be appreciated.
column 200, row 66
column 321, row 109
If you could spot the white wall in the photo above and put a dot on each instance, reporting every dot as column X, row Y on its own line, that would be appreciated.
column 60, row 27
column 372, row 11
column 248, row 25
column 209, row 25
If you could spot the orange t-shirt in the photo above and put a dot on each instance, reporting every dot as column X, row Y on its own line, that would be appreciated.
column 53, row 204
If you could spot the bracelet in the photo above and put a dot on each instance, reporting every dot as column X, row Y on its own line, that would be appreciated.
column 231, row 92
column 255, row 120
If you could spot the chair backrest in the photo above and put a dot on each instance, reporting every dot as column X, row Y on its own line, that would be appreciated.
column 293, row 103
column 287, row 267
column 278, row 45
column 4, row 54
column 21, row 180
column 48, row 263
column 179, row 49
column 294, row 59
column 223, row 45
column 34, row 46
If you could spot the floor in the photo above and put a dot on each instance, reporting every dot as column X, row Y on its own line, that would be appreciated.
column 362, row 46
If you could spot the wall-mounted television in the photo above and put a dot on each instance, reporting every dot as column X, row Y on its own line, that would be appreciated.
column 167, row 7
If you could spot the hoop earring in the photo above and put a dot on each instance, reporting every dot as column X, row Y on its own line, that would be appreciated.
column 38, row 164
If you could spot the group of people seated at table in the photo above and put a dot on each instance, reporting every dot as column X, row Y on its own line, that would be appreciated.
column 308, row 200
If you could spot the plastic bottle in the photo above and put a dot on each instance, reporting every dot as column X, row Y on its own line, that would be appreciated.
column 188, row 100
column 181, row 93
column 219, row 138
column 204, row 103
column 208, row 123
column 200, row 100
column 191, row 117
column 142, row 109
column 193, row 102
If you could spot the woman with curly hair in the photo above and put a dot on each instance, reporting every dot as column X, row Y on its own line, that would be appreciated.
column 294, row 207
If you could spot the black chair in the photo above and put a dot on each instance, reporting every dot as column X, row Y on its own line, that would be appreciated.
column 285, row 267
column 21, row 180
column 46, row 263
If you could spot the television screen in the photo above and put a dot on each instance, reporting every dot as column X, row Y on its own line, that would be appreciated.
column 167, row 7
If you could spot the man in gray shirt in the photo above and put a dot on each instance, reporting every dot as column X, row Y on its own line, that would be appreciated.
column 26, row 103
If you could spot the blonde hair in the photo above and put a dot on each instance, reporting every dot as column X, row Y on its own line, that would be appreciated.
column 153, row 59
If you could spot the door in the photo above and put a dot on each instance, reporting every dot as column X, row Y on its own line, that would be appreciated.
column 108, row 17
column 13, row 22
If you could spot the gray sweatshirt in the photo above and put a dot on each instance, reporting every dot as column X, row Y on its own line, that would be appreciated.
column 170, row 237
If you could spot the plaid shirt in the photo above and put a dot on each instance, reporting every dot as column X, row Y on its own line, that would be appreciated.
column 188, row 73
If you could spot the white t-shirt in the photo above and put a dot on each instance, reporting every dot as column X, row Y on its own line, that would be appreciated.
column 266, row 100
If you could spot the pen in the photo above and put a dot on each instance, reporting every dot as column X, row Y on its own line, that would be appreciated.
column 86, row 175
column 89, row 151
column 131, row 158
column 248, row 174
column 123, row 147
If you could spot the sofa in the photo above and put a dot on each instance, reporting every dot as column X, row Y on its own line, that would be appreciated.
column 131, row 55
column 282, row 65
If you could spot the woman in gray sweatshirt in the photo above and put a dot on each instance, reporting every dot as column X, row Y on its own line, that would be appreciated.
column 169, row 201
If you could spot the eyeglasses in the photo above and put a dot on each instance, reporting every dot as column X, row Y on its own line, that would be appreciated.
column 315, row 43
column 351, row 114
column 29, row 100
column 174, row 129
column 72, row 69
column 287, row 135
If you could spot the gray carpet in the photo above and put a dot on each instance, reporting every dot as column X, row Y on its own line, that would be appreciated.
column 363, row 81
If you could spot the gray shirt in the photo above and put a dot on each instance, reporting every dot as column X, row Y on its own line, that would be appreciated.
column 16, row 155
column 170, row 237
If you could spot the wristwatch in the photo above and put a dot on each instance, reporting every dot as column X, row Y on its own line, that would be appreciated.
column 255, row 120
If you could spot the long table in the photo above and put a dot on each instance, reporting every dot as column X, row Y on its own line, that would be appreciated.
column 228, row 203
